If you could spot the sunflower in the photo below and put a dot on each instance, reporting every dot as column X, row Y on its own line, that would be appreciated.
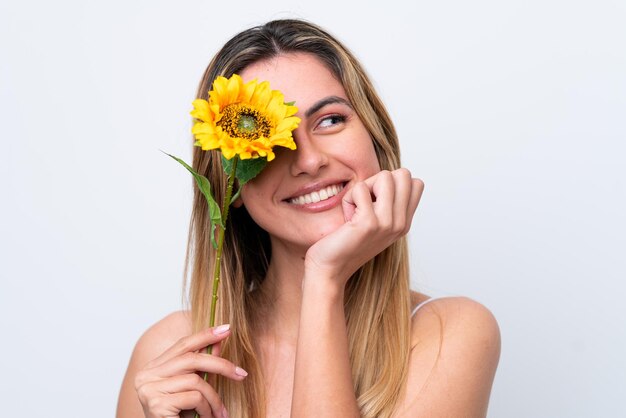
column 244, row 119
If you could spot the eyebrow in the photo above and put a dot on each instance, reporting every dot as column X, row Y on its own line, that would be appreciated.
column 325, row 102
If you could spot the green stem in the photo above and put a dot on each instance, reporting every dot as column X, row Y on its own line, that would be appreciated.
column 220, row 242
column 218, row 255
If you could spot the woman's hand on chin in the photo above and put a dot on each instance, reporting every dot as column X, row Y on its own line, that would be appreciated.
column 378, row 211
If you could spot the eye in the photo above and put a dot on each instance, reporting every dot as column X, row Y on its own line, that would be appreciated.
column 330, row 121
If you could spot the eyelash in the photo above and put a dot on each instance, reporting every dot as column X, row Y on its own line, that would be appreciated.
column 337, row 119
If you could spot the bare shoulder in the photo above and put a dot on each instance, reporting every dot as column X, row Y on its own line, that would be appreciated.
column 162, row 335
column 455, row 349
column 456, row 318
column 158, row 338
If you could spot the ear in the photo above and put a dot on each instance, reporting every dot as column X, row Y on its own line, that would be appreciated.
column 237, row 203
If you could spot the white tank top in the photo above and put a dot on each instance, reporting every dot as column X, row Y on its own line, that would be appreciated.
column 417, row 308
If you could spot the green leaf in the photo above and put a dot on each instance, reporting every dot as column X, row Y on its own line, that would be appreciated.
column 227, row 164
column 290, row 103
column 215, row 214
column 246, row 169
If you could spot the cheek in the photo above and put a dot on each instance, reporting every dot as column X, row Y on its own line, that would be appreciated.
column 257, row 196
column 250, row 199
column 364, row 158
column 374, row 165
column 360, row 151
column 251, row 196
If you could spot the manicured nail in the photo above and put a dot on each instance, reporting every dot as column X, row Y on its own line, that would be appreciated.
column 221, row 329
column 224, row 412
column 240, row 372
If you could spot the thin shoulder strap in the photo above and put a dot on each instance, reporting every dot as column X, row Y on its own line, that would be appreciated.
column 417, row 308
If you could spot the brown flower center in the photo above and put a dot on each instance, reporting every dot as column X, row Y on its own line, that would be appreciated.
column 242, row 121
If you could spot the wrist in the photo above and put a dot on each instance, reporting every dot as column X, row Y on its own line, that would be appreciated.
column 323, row 286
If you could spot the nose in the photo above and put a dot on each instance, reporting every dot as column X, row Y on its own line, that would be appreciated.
column 308, row 157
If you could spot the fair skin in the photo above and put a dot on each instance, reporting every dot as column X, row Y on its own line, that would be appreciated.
column 316, row 246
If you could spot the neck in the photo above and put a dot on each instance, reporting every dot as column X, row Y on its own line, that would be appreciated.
column 282, row 291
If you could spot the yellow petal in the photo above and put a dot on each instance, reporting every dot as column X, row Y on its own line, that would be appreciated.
column 247, row 91
column 291, row 110
column 261, row 96
column 228, row 153
column 203, row 128
column 220, row 86
column 215, row 109
column 201, row 110
column 232, row 89
column 275, row 106
column 288, row 124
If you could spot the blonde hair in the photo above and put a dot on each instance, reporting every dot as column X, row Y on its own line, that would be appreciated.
column 377, row 302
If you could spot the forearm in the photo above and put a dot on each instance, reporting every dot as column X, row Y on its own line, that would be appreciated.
column 323, row 379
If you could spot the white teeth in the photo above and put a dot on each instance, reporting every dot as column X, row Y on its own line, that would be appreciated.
column 317, row 196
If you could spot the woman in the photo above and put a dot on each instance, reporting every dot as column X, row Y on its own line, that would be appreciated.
column 315, row 304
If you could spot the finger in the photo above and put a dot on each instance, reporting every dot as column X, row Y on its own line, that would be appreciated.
column 416, row 193
column 347, row 205
column 192, row 343
column 403, row 185
column 361, row 199
column 188, row 383
column 191, row 400
column 215, row 351
column 384, row 190
column 201, row 362
column 371, row 180
column 417, row 188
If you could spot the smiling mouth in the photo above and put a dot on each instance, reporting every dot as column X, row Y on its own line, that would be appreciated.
column 318, row 196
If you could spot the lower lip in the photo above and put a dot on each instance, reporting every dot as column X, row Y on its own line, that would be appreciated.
column 322, row 205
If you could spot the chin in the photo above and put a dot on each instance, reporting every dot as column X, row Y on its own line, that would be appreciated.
column 305, row 238
column 323, row 230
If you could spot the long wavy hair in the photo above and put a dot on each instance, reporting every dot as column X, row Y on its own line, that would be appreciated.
column 377, row 301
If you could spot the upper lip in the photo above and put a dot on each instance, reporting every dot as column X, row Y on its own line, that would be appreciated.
column 314, row 187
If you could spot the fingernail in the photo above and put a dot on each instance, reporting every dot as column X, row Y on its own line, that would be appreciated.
column 240, row 372
column 224, row 412
column 221, row 329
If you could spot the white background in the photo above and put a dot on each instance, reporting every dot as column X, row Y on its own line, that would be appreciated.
column 512, row 112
